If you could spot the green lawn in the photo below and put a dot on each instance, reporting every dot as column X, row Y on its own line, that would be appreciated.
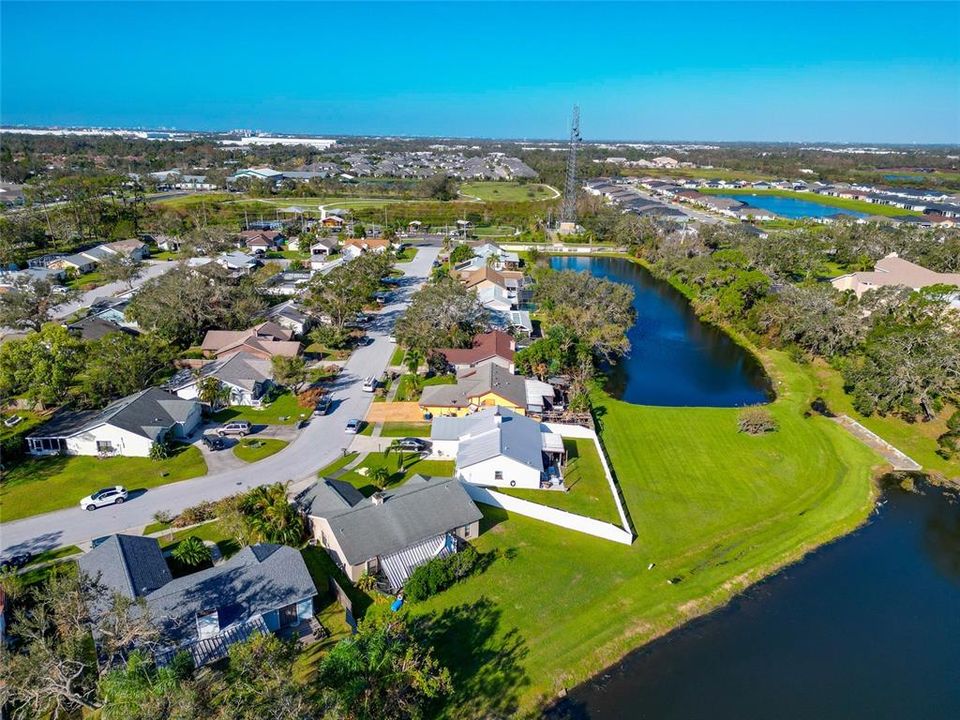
column 406, row 255
column 494, row 231
column 39, row 485
column 404, row 429
column 413, row 466
column 155, row 527
column 56, row 554
column 336, row 465
column 253, row 449
column 30, row 421
column 714, row 510
column 86, row 281
column 589, row 492
column 282, row 411
column 918, row 440
column 287, row 255
column 494, row 191
column 212, row 531
column 406, row 391
column 398, row 355
column 855, row 205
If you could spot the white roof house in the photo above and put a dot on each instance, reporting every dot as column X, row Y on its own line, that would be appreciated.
column 894, row 270
column 498, row 447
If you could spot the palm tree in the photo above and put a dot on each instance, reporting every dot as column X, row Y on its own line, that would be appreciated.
column 271, row 517
column 396, row 447
column 191, row 551
column 414, row 358
column 212, row 392
column 380, row 476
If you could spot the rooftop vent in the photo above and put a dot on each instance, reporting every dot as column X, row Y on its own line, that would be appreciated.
column 377, row 498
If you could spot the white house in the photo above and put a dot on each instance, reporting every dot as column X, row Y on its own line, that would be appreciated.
column 498, row 447
column 127, row 427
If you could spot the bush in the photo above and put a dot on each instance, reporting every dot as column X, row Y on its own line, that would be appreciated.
column 756, row 420
column 191, row 551
column 440, row 573
column 863, row 403
column 953, row 422
column 164, row 517
column 948, row 445
column 195, row 514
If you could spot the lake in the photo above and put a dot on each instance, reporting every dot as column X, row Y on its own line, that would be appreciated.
column 866, row 628
column 790, row 207
column 675, row 359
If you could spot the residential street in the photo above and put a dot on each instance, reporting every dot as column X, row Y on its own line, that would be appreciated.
column 152, row 269
column 321, row 442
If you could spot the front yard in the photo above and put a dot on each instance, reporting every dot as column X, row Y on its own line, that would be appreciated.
column 589, row 492
column 40, row 485
column 413, row 465
column 253, row 449
column 403, row 429
column 282, row 411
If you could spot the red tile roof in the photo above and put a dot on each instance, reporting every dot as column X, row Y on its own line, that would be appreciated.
column 485, row 346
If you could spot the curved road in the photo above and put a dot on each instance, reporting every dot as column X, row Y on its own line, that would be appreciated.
column 317, row 445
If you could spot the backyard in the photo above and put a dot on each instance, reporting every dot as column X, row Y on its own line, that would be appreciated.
column 714, row 510
column 40, row 485
column 588, row 490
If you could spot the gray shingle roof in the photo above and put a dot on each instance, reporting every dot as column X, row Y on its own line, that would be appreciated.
column 256, row 580
column 128, row 564
column 328, row 497
column 146, row 413
column 502, row 433
column 418, row 510
column 474, row 382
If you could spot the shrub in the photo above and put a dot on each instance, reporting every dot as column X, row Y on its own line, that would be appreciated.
column 191, row 551
column 201, row 512
column 953, row 422
column 756, row 420
column 164, row 517
column 440, row 573
column 948, row 445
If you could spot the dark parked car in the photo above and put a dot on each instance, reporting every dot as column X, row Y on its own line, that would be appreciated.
column 415, row 444
column 15, row 562
column 323, row 406
column 212, row 442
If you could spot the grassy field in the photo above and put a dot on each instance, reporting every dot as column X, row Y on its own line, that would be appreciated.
column 589, row 492
column 282, row 411
column 413, row 465
column 253, row 449
column 844, row 203
column 212, row 531
column 40, row 485
column 403, row 429
column 714, row 510
column 494, row 231
column 397, row 357
column 508, row 191
column 87, row 281
column 918, row 440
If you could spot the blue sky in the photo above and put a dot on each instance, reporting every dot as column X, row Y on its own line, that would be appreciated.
column 857, row 72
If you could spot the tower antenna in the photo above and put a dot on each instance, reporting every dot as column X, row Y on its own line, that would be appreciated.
column 569, row 211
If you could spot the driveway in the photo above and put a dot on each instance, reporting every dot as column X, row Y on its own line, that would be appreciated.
column 317, row 445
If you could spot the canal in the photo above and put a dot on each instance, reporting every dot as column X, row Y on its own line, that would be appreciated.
column 866, row 628
column 675, row 358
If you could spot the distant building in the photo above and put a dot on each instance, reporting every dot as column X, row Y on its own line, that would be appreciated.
column 893, row 270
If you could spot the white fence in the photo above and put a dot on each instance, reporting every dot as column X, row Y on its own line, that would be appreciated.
column 568, row 520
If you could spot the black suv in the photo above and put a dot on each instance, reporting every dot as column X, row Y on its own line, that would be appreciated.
column 212, row 442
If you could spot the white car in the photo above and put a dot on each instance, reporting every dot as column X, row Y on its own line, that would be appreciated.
column 370, row 384
column 106, row 496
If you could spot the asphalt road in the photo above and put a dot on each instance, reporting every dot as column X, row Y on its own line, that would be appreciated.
column 319, row 444
column 151, row 269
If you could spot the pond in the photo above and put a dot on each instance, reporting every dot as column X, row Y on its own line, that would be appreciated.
column 865, row 628
column 675, row 358
column 790, row 207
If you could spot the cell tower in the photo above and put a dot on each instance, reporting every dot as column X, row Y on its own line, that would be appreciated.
column 569, row 212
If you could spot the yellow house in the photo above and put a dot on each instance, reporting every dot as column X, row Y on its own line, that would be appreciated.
column 487, row 385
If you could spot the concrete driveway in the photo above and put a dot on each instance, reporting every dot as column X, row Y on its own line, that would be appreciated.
column 317, row 445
